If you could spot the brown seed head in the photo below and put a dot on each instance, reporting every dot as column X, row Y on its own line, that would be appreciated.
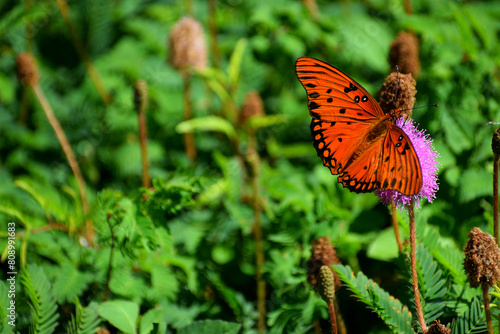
column 404, row 53
column 406, row 91
column 252, row 107
column 482, row 259
column 322, row 254
column 495, row 143
column 187, row 45
column 437, row 328
column 102, row 331
column 27, row 71
column 141, row 97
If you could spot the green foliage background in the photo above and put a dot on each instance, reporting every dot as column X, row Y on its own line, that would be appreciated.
column 184, row 255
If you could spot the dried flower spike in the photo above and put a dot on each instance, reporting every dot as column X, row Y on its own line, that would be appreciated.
column 322, row 254
column 437, row 328
column 141, row 98
column 405, row 90
column 482, row 259
column 187, row 45
column 27, row 71
column 252, row 106
column 404, row 53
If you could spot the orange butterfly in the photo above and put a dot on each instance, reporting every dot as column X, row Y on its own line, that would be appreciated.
column 353, row 136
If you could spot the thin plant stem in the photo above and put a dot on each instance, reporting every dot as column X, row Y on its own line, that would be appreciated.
column 143, row 134
column 408, row 7
column 214, row 31
column 110, row 264
column 24, row 105
column 317, row 327
column 495, row 197
column 82, row 52
column 73, row 163
column 189, row 142
column 487, row 310
column 341, row 328
column 254, row 161
column 333, row 320
column 413, row 263
column 189, row 7
column 395, row 226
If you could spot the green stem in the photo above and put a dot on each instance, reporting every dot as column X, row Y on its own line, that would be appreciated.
column 212, row 26
column 395, row 225
column 189, row 142
column 487, row 311
column 413, row 263
column 82, row 52
column 254, row 161
column 66, row 147
column 143, row 134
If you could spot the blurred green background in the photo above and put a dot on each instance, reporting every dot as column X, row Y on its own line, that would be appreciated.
column 189, row 251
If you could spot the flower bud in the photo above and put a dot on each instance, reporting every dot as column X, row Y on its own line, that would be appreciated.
column 27, row 71
column 252, row 106
column 187, row 45
column 141, row 97
column 404, row 53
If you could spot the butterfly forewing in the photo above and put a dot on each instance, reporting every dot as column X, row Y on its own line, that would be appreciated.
column 332, row 94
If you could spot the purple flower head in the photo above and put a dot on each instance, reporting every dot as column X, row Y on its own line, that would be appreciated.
column 427, row 156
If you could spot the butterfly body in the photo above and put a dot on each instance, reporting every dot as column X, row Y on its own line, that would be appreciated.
column 353, row 136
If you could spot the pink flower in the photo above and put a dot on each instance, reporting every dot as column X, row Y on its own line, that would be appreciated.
column 427, row 156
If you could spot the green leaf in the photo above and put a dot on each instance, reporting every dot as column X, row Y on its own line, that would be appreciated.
column 70, row 283
column 234, row 68
column 122, row 314
column 390, row 310
column 210, row 326
column 266, row 121
column 153, row 316
column 471, row 321
column 43, row 303
column 5, row 303
column 208, row 123
column 432, row 286
column 474, row 183
column 86, row 320
column 384, row 246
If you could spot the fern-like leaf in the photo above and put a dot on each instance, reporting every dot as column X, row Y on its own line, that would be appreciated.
column 390, row 310
column 69, row 283
column 86, row 320
column 432, row 286
column 471, row 321
column 43, row 302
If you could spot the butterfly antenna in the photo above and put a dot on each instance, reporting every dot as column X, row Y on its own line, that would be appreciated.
column 492, row 123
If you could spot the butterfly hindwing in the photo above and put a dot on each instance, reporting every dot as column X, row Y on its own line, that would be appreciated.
column 332, row 94
column 399, row 167
column 361, row 176
column 390, row 163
